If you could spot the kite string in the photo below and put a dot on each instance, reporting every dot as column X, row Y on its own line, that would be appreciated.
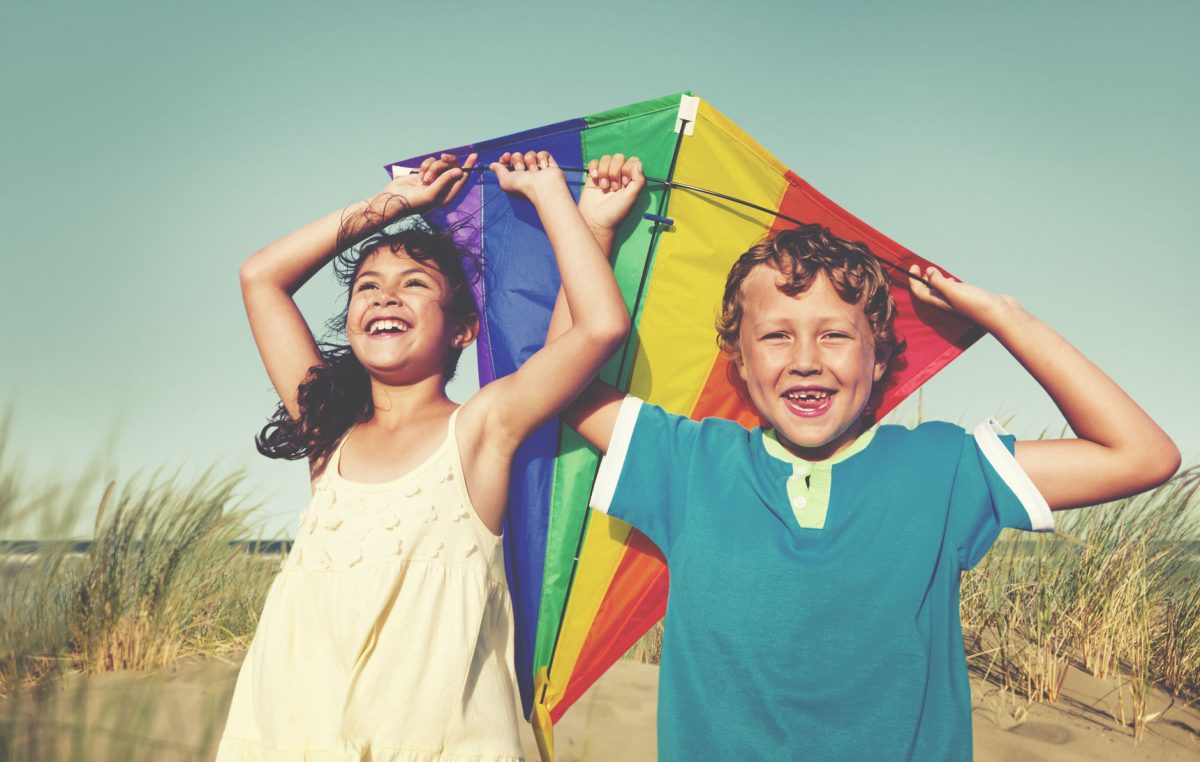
column 709, row 192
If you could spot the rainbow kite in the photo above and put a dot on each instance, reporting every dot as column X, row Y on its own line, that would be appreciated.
column 586, row 586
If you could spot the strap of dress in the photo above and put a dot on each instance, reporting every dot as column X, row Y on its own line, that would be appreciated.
column 335, row 460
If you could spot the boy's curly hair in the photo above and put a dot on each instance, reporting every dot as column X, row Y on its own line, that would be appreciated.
column 337, row 392
column 800, row 255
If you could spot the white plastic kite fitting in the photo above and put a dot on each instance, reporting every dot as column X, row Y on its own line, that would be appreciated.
column 685, row 120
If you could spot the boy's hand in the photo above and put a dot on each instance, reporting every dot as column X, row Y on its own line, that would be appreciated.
column 434, row 184
column 613, row 184
column 531, row 173
column 972, row 302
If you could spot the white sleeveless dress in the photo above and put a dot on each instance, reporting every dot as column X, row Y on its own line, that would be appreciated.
column 388, row 635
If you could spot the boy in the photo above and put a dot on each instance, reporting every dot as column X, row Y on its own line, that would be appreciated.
column 815, row 564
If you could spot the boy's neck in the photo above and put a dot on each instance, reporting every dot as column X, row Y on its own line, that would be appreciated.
column 826, row 451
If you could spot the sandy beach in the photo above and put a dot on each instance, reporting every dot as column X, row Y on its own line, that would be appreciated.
column 178, row 715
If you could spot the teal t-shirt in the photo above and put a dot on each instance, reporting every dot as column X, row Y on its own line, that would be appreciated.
column 813, row 610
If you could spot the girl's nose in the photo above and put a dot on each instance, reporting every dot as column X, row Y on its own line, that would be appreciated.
column 384, row 299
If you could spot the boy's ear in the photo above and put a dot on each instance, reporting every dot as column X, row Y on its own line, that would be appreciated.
column 735, row 359
column 881, row 364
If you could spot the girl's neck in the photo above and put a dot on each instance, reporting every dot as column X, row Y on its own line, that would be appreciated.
column 397, row 405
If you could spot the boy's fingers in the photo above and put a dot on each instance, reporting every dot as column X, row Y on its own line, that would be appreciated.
column 916, row 286
column 543, row 159
column 530, row 159
column 470, row 162
column 616, row 166
column 603, row 172
column 593, row 169
column 550, row 162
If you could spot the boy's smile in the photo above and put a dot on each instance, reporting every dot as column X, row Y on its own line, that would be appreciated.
column 808, row 362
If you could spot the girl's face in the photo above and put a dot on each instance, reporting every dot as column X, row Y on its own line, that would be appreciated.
column 395, row 323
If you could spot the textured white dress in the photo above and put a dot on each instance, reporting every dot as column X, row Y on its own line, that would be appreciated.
column 388, row 635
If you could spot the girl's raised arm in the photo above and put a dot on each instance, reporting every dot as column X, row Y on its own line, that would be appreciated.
column 273, row 274
column 510, row 408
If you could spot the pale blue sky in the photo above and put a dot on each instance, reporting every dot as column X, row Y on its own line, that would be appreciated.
column 1048, row 150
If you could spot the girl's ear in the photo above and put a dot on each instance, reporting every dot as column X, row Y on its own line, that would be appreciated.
column 467, row 332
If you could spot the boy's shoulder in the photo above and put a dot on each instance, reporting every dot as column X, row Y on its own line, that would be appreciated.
column 711, row 438
column 925, row 438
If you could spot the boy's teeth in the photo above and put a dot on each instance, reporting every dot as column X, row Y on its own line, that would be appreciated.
column 808, row 395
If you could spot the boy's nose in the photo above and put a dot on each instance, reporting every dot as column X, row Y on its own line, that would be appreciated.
column 806, row 360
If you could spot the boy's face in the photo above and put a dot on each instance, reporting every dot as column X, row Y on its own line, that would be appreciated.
column 808, row 362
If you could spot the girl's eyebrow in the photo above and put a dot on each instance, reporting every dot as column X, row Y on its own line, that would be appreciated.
column 375, row 274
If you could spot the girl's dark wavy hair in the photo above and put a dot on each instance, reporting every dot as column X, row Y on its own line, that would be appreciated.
column 336, row 394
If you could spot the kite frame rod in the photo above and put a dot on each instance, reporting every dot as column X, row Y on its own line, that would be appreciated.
column 736, row 200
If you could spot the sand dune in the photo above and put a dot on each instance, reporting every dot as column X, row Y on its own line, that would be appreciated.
column 178, row 715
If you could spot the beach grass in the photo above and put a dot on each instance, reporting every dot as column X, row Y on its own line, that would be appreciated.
column 1112, row 593
column 165, row 574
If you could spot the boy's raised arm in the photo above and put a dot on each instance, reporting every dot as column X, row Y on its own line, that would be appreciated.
column 612, row 186
column 1119, row 450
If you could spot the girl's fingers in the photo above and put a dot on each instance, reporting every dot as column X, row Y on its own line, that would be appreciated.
column 593, row 171
column 550, row 162
column 530, row 159
column 425, row 168
column 462, row 179
column 543, row 159
column 435, row 170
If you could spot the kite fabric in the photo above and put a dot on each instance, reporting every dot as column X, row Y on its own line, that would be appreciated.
column 586, row 586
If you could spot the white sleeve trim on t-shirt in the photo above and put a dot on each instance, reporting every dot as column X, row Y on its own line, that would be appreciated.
column 987, row 436
column 614, row 460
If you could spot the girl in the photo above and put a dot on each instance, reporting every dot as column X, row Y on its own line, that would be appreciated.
column 388, row 634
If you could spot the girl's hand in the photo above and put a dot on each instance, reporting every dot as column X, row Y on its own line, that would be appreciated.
column 613, row 184
column 972, row 302
column 530, row 173
column 434, row 184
